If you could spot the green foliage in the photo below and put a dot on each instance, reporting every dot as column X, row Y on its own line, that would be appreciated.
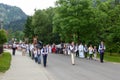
column 40, row 25
column 29, row 29
column 3, row 36
column 87, row 21
column 5, row 60
column 73, row 19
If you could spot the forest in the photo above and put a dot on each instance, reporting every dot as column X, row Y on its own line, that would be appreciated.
column 86, row 21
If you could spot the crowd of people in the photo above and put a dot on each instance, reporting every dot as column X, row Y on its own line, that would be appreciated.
column 36, row 53
column 78, row 50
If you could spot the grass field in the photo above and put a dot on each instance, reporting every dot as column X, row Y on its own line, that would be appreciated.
column 112, row 58
column 5, row 60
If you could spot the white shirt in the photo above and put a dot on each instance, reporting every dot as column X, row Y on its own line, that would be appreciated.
column 35, row 53
column 90, row 50
column 14, row 45
column 31, row 47
column 44, row 50
column 81, row 48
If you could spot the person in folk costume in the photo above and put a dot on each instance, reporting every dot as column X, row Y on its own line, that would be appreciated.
column 44, row 52
column 49, row 49
column 81, row 50
column 65, row 49
column 35, row 54
column 54, row 48
column 39, row 55
column 72, row 49
column 27, row 48
column 95, row 53
column 68, row 49
column 101, row 50
column 31, row 50
column 14, row 47
column 85, row 51
column 77, row 50
column 90, row 52
column 23, row 49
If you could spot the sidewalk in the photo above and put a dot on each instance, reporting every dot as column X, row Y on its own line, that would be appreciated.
column 23, row 68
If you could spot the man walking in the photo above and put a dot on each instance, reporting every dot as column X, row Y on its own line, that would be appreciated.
column 72, row 49
column 101, row 50
column 14, row 47
column 44, row 52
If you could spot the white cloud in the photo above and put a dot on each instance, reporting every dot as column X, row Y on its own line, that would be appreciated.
column 28, row 6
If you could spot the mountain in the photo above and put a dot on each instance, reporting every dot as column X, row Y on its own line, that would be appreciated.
column 12, row 17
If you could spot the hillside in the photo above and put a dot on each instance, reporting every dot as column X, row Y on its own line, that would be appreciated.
column 12, row 17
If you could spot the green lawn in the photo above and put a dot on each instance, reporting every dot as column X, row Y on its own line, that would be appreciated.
column 5, row 60
column 113, row 58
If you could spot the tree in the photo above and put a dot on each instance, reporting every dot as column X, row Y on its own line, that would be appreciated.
column 29, row 29
column 3, row 39
column 3, row 36
column 73, row 19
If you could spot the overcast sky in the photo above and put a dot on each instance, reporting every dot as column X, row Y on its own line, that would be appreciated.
column 28, row 6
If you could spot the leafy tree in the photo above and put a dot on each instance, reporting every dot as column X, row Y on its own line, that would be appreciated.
column 73, row 19
column 3, row 36
column 41, row 25
column 29, row 29
column 88, row 21
column 3, row 39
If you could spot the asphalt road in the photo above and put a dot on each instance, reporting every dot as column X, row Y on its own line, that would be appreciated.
column 61, row 68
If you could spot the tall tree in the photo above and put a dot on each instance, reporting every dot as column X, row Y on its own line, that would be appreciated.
column 73, row 19
column 29, row 29
column 3, row 39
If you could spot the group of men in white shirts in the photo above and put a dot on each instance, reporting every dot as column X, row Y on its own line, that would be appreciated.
column 83, row 51
column 36, row 53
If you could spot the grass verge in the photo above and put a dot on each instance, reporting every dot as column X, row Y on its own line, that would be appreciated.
column 5, row 61
column 112, row 58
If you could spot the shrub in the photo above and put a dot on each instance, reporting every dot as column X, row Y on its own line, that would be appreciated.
column 5, row 60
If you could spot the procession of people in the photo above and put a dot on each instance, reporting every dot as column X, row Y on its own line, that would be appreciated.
column 79, row 50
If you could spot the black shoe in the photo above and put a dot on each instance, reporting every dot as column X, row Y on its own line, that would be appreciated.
column 73, row 64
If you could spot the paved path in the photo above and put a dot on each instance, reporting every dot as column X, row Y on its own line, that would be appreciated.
column 59, row 68
column 23, row 68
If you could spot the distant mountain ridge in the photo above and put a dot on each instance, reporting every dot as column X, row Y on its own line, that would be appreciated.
column 12, row 17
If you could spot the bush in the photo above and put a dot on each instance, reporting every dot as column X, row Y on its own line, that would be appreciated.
column 5, row 60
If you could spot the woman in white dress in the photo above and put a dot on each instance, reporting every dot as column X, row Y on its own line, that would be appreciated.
column 81, row 50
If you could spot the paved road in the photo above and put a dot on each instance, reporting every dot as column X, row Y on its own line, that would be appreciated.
column 59, row 68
